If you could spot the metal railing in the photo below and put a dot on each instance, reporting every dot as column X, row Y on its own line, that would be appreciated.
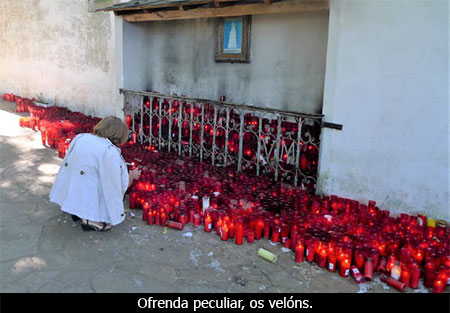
column 256, row 140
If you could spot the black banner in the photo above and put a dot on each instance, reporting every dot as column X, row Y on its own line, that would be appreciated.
column 391, row 302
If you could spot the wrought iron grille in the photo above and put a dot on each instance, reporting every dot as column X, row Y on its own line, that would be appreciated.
column 255, row 140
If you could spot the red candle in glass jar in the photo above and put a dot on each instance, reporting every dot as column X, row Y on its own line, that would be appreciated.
column 284, row 232
column 218, row 226
column 430, row 274
column 232, row 230
column 310, row 250
column 299, row 252
column 259, row 226
column 275, row 233
column 439, row 286
column 145, row 209
column 191, row 216
column 381, row 268
column 392, row 282
column 288, row 243
column 150, row 217
column 208, row 223
column 157, row 218
column 129, row 121
column 368, row 269
column 133, row 200
column 250, row 236
column 294, row 235
column 344, row 267
column 418, row 256
column 359, row 259
column 322, row 257
column 332, row 259
column 134, row 138
column 197, row 220
column 239, row 233
column 405, row 276
column 163, row 218
column 416, row 271
column 359, row 278
column 224, row 233
column 267, row 229
column 175, row 225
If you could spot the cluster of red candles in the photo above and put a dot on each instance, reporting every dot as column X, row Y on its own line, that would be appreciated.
column 309, row 153
column 336, row 233
column 57, row 125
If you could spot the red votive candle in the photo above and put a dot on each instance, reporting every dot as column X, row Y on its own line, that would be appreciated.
column 299, row 252
column 224, row 233
column 267, row 229
column 239, row 233
column 197, row 220
column 145, row 209
column 322, row 261
column 208, row 223
column 310, row 250
column 232, row 231
column 405, row 276
column 157, row 218
column 175, row 225
column 218, row 226
column 418, row 256
column 415, row 275
column 344, row 267
column 275, row 233
column 359, row 259
column 259, row 226
column 163, row 218
column 392, row 282
column 250, row 236
column 439, row 286
column 287, row 243
column 430, row 274
column 359, row 278
column 191, row 216
column 133, row 200
column 284, row 232
column 150, row 217
column 331, row 262
column 381, row 268
column 368, row 269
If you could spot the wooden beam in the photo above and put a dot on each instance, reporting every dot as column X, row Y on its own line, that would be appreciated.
column 286, row 6
column 165, row 5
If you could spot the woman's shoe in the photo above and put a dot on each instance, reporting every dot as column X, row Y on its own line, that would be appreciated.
column 87, row 225
column 75, row 218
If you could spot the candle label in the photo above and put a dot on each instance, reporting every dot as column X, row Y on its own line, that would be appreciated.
column 346, row 272
column 210, row 226
column 331, row 266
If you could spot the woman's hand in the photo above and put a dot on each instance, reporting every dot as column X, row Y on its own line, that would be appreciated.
column 134, row 174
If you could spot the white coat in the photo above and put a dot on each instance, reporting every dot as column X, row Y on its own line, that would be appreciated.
column 92, row 180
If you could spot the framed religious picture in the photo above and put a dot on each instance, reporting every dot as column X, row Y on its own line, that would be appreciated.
column 233, row 39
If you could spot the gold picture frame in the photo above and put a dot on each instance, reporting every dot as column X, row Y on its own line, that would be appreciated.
column 233, row 39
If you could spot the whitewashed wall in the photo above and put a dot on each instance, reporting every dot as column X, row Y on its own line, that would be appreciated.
column 57, row 51
column 387, row 83
column 287, row 68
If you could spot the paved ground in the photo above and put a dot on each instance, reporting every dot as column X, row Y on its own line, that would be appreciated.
column 42, row 250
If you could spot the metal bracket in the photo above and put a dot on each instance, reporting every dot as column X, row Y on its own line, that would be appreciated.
column 331, row 125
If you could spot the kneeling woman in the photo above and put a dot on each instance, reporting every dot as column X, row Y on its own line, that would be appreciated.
column 93, row 177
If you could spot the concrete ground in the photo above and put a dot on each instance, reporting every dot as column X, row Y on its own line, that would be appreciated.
column 42, row 250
